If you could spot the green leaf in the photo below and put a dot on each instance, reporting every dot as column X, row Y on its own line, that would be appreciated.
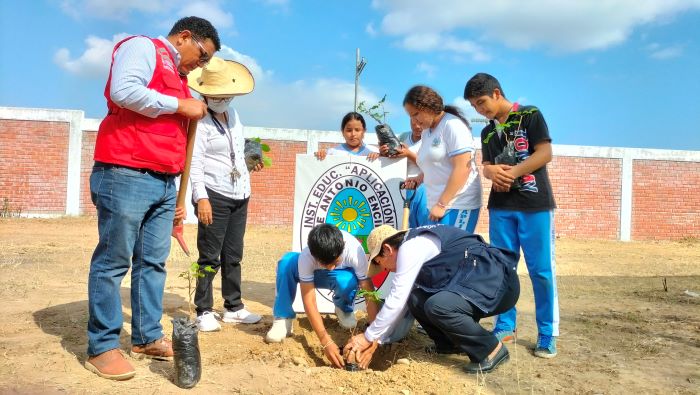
column 488, row 137
column 209, row 269
column 265, row 147
column 267, row 161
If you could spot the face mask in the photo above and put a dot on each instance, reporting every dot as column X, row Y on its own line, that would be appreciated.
column 219, row 105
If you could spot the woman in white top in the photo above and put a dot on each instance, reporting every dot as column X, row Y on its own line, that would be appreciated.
column 220, row 191
column 353, row 127
column 447, row 160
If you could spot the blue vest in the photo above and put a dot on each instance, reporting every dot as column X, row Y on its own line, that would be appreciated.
column 467, row 266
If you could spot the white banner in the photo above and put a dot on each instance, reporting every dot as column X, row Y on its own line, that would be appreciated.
column 352, row 193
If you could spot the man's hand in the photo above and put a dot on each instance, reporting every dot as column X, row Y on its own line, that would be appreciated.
column 192, row 108
column 180, row 214
column 365, row 357
column 361, row 348
column 204, row 211
column 500, row 176
column 333, row 354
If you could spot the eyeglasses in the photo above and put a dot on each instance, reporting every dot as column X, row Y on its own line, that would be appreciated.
column 204, row 57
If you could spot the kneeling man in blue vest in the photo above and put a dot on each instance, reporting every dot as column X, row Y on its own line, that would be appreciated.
column 444, row 277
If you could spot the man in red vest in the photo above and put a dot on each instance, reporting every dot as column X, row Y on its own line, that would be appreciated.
column 139, row 151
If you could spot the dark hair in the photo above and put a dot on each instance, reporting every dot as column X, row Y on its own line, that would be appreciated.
column 325, row 243
column 396, row 240
column 201, row 29
column 352, row 115
column 482, row 84
column 426, row 98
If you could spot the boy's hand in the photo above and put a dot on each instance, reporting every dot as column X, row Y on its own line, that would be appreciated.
column 500, row 176
column 333, row 354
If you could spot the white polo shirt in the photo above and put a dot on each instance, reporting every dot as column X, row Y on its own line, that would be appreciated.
column 438, row 145
column 353, row 256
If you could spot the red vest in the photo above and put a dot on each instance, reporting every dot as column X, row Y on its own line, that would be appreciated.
column 130, row 139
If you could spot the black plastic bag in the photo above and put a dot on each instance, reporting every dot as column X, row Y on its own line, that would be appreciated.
column 386, row 136
column 188, row 362
column 507, row 157
column 253, row 153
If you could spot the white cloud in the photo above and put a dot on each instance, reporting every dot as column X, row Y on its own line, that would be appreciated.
column 110, row 9
column 656, row 51
column 94, row 62
column 568, row 26
column 209, row 10
column 231, row 54
column 305, row 104
column 437, row 42
column 370, row 30
column 427, row 68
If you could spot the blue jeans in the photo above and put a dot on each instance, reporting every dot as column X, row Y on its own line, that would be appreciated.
column 135, row 212
column 342, row 282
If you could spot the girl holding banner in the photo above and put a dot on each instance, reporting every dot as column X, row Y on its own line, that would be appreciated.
column 353, row 127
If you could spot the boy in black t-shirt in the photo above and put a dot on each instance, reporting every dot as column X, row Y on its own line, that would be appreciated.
column 516, row 148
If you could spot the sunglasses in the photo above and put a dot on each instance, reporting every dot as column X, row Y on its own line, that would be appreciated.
column 204, row 56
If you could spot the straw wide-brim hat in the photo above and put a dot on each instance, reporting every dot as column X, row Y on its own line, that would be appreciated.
column 376, row 239
column 221, row 78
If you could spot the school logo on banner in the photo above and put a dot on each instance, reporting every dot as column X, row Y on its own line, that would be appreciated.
column 351, row 196
column 350, row 192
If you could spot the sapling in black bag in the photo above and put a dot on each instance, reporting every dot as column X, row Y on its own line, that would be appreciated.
column 386, row 136
column 253, row 153
column 188, row 362
column 508, row 157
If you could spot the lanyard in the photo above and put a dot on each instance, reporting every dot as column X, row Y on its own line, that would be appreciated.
column 225, row 132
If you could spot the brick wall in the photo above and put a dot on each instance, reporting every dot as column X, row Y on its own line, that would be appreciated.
column 86, row 161
column 587, row 181
column 587, row 192
column 33, row 165
column 272, row 195
column 666, row 200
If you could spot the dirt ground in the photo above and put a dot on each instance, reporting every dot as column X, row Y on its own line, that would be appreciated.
column 621, row 331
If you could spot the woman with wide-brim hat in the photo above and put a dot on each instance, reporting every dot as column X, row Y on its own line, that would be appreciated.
column 220, row 191
column 449, row 279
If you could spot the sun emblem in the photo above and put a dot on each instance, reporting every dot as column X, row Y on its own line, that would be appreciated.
column 349, row 214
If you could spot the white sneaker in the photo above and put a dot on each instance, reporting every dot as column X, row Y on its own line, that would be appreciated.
column 281, row 328
column 346, row 320
column 241, row 316
column 207, row 322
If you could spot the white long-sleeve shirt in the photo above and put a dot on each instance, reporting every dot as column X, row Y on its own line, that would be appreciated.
column 412, row 254
column 132, row 70
column 211, row 159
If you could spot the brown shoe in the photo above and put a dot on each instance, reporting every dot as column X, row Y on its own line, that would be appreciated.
column 161, row 349
column 110, row 365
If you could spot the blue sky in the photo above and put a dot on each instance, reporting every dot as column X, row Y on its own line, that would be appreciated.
column 623, row 73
